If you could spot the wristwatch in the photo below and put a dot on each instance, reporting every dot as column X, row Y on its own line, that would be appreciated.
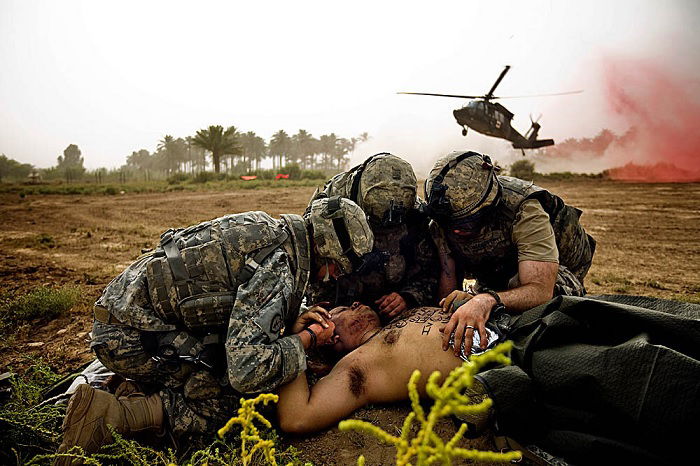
column 313, row 337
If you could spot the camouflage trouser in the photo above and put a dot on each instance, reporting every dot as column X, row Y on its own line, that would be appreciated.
column 196, row 403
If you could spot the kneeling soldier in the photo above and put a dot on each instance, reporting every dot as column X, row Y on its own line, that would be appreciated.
column 212, row 313
column 403, row 272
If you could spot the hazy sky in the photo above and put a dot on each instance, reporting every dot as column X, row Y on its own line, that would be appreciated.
column 114, row 77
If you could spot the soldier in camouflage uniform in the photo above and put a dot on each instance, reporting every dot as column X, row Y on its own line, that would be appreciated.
column 403, row 272
column 212, row 313
column 521, row 243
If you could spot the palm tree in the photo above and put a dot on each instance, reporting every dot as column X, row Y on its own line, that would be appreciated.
column 328, row 144
column 303, row 146
column 254, row 148
column 342, row 148
column 280, row 146
column 218, row 142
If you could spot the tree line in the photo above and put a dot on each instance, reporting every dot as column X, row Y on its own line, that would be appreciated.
column 232, row 151
column 225, row 150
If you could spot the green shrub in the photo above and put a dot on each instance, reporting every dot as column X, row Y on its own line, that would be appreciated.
column 293, row 170
column 523, row 169
column 45, row 241
column 28, row 429
column 43, row 302
column 111, row 191
column 313, row 175
column 264, row 174
column 178, row 178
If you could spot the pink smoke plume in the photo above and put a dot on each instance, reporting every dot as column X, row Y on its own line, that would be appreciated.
column 664, row 144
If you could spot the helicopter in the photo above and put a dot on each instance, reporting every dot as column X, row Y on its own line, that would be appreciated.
column 493, row 119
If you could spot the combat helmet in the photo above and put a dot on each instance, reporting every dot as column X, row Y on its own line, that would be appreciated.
column 341, row 232
column 384, row 186
column 462, row 189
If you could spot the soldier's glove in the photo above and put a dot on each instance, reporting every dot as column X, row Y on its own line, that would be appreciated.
column 454, row 300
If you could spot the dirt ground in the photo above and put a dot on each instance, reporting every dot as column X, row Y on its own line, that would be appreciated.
column 648, row 244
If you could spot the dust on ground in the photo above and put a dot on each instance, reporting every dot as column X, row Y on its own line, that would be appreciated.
column 648, row 244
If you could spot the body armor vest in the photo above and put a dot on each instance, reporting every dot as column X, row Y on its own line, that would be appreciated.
column 491, row 256
column 394, row 247
column 195, row 272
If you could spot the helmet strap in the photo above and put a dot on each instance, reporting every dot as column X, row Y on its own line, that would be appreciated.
column 355, row 189
column 327, row 276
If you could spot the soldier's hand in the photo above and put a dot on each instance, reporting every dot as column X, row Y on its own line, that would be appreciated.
column 316, row 313
column 391, row 305
column 454, row 300
column 324, row 335
column 470, row 317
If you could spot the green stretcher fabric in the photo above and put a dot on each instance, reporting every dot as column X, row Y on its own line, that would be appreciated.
column 599, row 380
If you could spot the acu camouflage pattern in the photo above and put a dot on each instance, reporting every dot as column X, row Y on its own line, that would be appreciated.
column 411, row 268
column 259, row 356
column 213, row 256
column 326, row 238
column 385, row 179
column 491, row 257
column 466, row 182
column 196, row 401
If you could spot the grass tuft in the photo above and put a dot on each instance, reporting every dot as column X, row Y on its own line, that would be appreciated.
column 43, row 302
column 27, row 429
column 45, row 241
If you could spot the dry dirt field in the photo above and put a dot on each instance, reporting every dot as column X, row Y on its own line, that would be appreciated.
column 648, row 243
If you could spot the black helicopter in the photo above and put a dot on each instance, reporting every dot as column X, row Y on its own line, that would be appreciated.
column 493, row 119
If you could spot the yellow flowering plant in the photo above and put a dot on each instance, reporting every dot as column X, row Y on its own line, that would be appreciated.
column 426, row 447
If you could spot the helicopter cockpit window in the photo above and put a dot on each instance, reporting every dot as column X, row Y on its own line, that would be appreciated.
column 476, row 106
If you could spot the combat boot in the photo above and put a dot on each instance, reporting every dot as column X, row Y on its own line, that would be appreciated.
column 90, row 411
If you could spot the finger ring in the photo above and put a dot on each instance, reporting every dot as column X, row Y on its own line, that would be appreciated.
column 469, row 326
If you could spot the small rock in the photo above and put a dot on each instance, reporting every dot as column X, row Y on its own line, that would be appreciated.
column 81, row 334
column 62, row 331
column 35, row 344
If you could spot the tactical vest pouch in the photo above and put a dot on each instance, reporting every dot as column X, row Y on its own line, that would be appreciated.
column 194, row 275
column 206, row 272
column 207, row 310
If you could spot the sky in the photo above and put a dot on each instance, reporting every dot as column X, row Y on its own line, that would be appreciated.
column 114, row 77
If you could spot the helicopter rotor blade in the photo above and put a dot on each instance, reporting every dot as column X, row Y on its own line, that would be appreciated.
column 489, row 94
column 444, row 95
column 535, row 95
column 535, row 120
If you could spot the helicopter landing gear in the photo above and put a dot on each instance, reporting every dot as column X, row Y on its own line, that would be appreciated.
column 464, row 131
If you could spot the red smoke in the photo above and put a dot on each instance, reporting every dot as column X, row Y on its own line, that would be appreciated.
column 665, row 115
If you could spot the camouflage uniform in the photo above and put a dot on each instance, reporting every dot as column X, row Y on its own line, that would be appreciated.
column 201, row 342
column 406, row 259
column 490, row 255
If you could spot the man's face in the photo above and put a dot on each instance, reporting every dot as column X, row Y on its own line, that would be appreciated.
column 350, row 324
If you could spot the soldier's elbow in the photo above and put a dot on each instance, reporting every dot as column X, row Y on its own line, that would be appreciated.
column 242, row 382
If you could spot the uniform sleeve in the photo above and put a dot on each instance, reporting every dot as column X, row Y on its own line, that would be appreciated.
column 437, row 235
column 422, row 278
column 259, row 358
column 533, row 234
